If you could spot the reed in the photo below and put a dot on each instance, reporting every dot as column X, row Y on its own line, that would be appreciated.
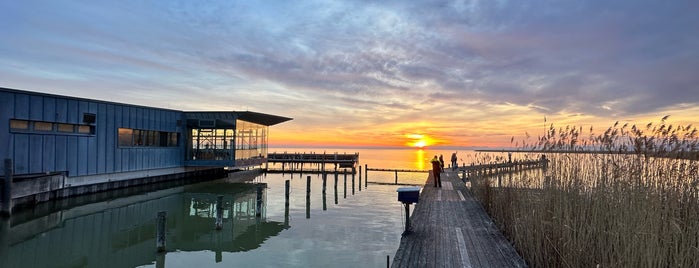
column 634, row 202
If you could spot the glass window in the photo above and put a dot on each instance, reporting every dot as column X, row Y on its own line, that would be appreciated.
column 68, row 128
column 85, row 129
column 19, row 124
column 172, row 141
column 125, row 137
column 43, row 126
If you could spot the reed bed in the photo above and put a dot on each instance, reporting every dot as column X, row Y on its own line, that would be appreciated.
column 634, row 202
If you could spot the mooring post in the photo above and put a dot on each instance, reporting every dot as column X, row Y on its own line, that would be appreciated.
column 325, row 181
column 258, row 212
column 308, row 197
column 335, row 187
column 345, row 186
column 352, row 183
column 396, row 177
column 160, row 231
column 388, row 261
column 360, row 178
column 219, row 212
column 286, row 203
column 6, row 209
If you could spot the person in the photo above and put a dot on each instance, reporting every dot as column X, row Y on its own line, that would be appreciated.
column 441, row 161
column 454, row 164
column 436, row 170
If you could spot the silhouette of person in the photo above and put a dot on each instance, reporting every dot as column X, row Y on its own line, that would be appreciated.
column 441, row 161
column 436, row 171
column 454, row 164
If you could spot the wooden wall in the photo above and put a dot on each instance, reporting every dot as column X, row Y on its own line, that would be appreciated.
column 79, row 154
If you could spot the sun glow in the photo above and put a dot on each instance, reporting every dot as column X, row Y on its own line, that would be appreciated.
column 418, row 140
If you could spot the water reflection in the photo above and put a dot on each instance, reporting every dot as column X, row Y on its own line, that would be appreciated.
column 121, row 232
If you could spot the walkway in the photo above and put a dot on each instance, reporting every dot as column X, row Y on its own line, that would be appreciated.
column 451, row 229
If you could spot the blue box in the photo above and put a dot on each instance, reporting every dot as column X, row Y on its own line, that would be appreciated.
column 408, row 195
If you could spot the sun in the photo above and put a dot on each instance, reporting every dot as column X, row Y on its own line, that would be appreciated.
column 420, row 144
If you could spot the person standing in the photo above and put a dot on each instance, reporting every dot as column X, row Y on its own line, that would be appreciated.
column 436, row 171
column 454, row 164
column 441, row 161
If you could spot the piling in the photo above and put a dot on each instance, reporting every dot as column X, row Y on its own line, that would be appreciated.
column 396, row 176
column 308, row 197
column 345, row 186
column 335, row 187
column 160, row 231
column 360, row 178
column 6, row 209
column 286, row 203
column 366, row 174
column 325, row 181
column 219, row 212
column 352, row 183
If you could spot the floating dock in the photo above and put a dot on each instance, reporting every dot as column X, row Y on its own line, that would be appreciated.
column 450, row 228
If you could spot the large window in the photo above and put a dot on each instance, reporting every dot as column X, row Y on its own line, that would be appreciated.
column 212, row 144
column 250, row 140
column 146, row 138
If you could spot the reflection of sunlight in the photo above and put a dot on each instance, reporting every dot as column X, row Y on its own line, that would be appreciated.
column 420, row 161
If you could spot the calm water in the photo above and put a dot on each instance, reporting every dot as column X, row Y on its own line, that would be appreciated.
column 342, row 228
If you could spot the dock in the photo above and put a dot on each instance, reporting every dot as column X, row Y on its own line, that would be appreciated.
column 450, row 228
column 313, row 161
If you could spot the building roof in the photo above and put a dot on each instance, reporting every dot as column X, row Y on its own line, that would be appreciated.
column 224, row 119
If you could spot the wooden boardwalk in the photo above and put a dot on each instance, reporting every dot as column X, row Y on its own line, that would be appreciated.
column 451, row 229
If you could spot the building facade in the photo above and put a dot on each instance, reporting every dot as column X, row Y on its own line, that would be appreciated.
column 91, row 141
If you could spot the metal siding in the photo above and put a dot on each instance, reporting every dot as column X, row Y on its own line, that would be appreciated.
column 7, row 106
column 120, row 117
column 49, row 153
column 83, row 156
column 111, row 136
column 61, row 110
column 61, row 152
column 21, row 106
column 21, row 153
column 102, row 138
column 36, row 107
column 133, row 113
column 49, row 109
column 72, row 155
column 36, row 146
column 92, row 142
column 72, row 115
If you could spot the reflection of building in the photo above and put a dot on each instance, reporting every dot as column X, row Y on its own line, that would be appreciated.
column 121, row 232
column 91, row 145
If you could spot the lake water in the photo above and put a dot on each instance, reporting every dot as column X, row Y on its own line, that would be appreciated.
column 343, row 228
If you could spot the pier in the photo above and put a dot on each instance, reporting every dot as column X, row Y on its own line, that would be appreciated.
column 314, row 162
column 450, row 228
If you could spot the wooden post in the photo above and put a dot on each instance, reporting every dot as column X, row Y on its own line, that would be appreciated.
column 219, row 212
column 396, row 177
column 308, row 197
column 258, row 212
column 160, row 231
column 335, row 187
column 286, row 202
column 407, row 219
column 345, row 186
column 360, row 178
column 463, row 175
column 388, row 261
column 6, row 209
column 352, row 183
column 325, row 181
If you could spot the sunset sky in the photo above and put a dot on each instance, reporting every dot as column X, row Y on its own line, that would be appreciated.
column 377, row 73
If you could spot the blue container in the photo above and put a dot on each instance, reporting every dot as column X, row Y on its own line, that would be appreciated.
column 408, row 195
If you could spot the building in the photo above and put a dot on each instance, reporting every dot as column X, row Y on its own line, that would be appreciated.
column 73, row 142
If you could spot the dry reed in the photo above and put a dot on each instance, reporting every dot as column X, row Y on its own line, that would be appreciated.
column 633, row 202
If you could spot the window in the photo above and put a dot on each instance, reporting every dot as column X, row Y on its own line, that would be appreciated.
column 146, row 138
column 44, row 127
column 19, row 124
column 125, row 137
column 67, row 128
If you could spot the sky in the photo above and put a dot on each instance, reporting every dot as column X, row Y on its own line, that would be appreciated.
column 369, row 73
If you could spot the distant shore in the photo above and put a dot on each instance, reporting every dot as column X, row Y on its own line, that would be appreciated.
column 681, row 155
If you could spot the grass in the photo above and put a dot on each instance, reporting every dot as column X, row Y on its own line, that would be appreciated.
column 632, row 203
